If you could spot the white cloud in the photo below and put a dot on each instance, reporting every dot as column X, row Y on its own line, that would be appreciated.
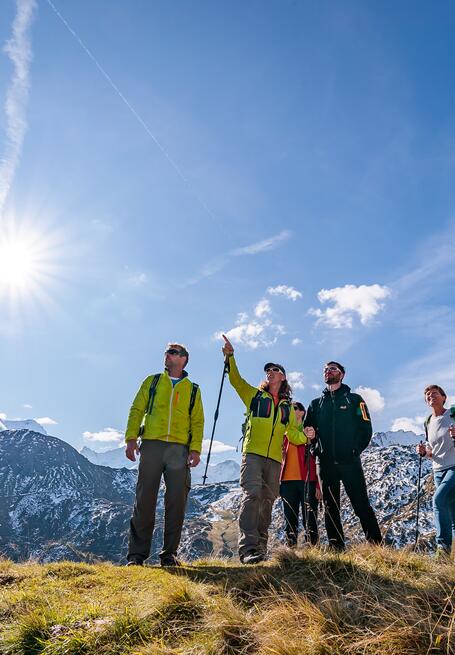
column 137, row 279
column 350, row 301
column 27, row 406
column 409, row 424
column 46, row 420
column 19, row 50
column 261, row 330
column 295, row 379
column 373, row 399
column 217, row 446
column 2, row 416
column 108, row 434
column 262, row 246
column 283, row 290
column 219, row 262
column 262, row 308
column 253, row 334
column 296, row 341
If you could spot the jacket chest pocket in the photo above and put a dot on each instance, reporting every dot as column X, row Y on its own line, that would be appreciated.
column 285, row 413
column 261, row 407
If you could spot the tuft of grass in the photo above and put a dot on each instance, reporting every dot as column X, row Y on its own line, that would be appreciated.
column 367, row 601
column 29, row 636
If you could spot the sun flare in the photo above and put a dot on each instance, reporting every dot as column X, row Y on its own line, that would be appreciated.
column 18, row 265
column 26, row 263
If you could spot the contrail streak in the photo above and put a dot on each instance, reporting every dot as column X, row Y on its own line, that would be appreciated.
column 19, row 50
column 135, row 113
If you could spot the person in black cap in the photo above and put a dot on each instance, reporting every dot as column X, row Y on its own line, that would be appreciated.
column 270, row 416
column 343, row 429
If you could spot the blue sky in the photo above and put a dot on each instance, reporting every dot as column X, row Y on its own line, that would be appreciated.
column 282, row 171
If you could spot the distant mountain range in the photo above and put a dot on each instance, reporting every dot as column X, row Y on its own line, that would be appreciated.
column 22, row 424
column 115, row 458
column 55, row 504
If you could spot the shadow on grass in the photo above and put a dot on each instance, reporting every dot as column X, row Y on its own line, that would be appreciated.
column 316, row 578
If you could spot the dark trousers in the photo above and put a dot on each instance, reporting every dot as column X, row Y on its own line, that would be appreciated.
column 353, row 479
column 167, row 459
column 294, row 496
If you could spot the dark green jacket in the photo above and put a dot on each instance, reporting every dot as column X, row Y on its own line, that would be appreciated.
column 342, row 423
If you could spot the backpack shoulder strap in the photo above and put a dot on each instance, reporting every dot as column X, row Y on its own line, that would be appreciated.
column 152, row 392
column 194, row 388
column 425, row 425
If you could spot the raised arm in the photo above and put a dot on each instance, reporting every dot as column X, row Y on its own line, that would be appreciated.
column 246, row 391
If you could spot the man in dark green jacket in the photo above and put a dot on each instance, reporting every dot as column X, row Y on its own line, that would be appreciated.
column 343, row 430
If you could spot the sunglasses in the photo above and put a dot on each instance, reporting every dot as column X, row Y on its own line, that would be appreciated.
column 273, row 368
column 332, row 369
column 174, row 351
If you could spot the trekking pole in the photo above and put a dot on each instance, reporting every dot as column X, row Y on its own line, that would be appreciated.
column 306, row 498
column 418, row 501
column 215, row 418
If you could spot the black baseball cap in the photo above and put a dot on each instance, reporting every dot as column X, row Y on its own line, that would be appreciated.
column 270, row 364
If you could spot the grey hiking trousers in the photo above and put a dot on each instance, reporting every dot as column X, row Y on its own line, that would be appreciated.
column 260, row 482
column 167, row 459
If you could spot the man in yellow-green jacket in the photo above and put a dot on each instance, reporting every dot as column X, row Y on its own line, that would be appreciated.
column 270, row 416
column 168, row 417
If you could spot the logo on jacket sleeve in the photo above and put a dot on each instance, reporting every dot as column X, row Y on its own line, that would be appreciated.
column 363, row 411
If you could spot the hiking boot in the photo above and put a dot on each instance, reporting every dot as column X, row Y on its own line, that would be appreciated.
column 253, row 557
column 170, row 560
column 134, row 562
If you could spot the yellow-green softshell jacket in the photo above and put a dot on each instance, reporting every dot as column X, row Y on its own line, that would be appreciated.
column 170, row 419
column 264, row 436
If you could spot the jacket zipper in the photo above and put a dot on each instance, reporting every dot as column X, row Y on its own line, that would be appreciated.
column 332, row 396
column 170, row 412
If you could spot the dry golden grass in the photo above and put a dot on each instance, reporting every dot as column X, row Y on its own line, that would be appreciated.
column 368, row 601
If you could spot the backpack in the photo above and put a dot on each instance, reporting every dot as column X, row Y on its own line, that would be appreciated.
column 152, row 392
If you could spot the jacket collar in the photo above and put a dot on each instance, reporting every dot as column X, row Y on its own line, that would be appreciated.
column 343, row 390
column 184, row 374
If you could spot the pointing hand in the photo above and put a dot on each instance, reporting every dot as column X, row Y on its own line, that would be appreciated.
column 228, row 348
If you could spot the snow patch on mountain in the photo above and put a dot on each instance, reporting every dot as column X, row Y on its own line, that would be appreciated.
column 23, row 424
column 222, row 472
column 396, row 438
column 114, row 458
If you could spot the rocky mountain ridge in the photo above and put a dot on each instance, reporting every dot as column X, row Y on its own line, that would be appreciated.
column 55, row 504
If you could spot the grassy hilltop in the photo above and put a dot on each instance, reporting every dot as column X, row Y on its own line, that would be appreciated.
column 368, row 601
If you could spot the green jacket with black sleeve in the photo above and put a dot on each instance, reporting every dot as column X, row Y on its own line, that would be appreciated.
column 342, row 423
column 266, row 423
